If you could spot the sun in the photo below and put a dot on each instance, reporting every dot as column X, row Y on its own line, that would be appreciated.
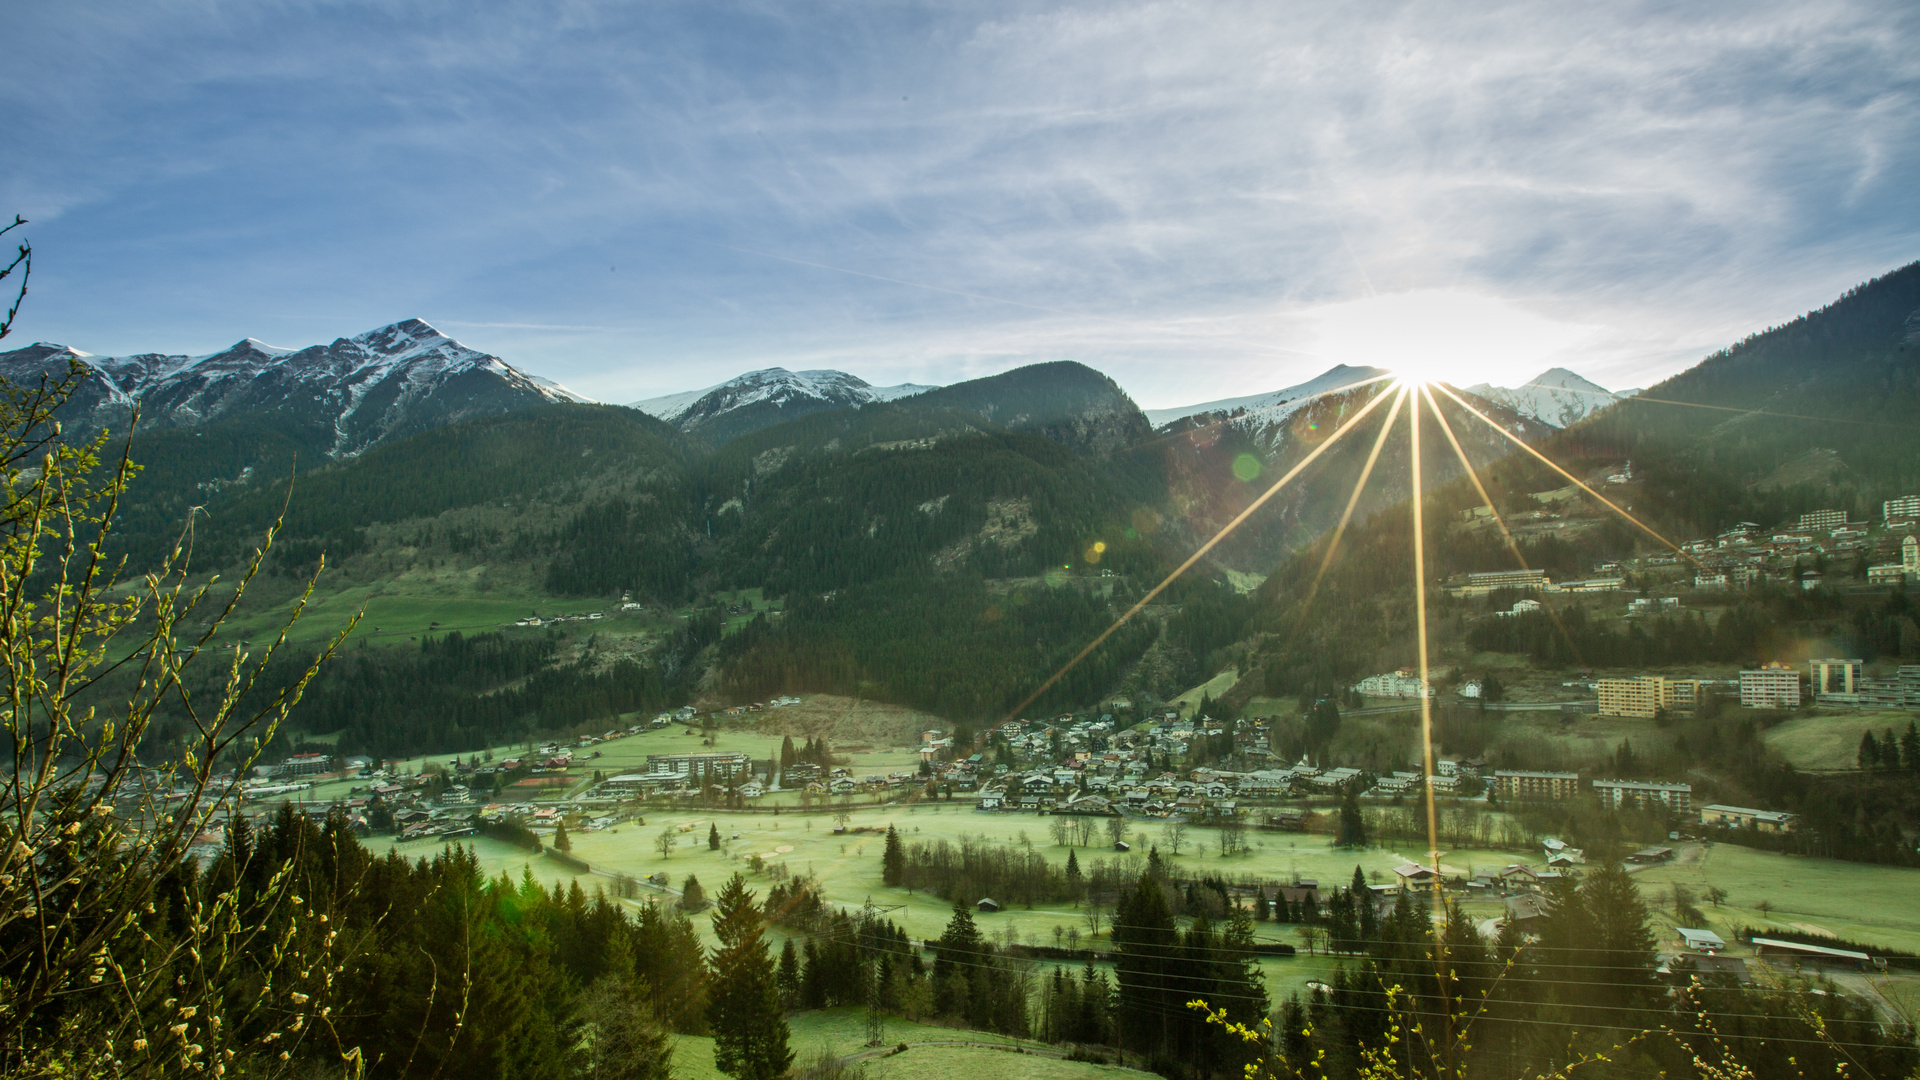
column 1441, row 335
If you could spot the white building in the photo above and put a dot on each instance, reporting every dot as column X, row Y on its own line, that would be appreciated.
column 1771, row 687
column 1904, row 508
column 1398, row 684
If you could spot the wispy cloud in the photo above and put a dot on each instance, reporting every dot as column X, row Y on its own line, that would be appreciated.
column 644, row 198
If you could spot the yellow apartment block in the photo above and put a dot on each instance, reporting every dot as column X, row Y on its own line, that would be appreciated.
column 1646, row 695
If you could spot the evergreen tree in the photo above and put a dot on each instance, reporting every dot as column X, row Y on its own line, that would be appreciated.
column 788, row 976
column 1353, row 824
column 743, row 1007
column 1146, row 946
column 692, row 896
column 623, row 1039
column 561, row 842
column 1076, row 882
column 1869, row 755
column 1366, row 921
column 713, row 836
column 893, row 863
column 955, row 958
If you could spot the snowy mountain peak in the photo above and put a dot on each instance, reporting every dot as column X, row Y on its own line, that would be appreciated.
column 349, row 395
column 1274, row 405
column 1556, row 397
column 771, row 394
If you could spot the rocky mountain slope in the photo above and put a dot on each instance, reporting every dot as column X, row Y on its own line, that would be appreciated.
column 760, row 399
column 1555, row 397
column 1274, row 405
column 337, row 399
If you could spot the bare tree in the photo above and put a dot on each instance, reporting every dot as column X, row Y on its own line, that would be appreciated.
column 1061, row 828
column 23, row 262
column 1083, row 830
column 1175, row 835
column 1233, row 836
column 666, row 841
column 1116, row 829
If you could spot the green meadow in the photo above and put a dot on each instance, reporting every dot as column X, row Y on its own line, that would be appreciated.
column 842, row 1032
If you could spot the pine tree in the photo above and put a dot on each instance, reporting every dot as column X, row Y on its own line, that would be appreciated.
column 743, row 1008
column 1076, row 882
column 713, row 836
column 692, row 896
column 561, row 842
column 893, row 863
column 788, row 977
column 1365, row 923
column 1145, row 946
column 1869, row 750
column 1353, row 824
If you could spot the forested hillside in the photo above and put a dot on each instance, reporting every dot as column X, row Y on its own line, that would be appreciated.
column 1816, row 413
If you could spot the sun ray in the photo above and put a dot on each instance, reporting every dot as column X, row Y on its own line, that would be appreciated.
column 1225, row 530
column 1426, row 700
column 1217, row 424
column 1333, row 544
column 1555, row 466
column 1487, row 500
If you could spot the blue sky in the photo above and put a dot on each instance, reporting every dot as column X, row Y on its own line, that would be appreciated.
column 1201, row 199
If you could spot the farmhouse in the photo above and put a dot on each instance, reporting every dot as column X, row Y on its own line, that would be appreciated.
column 1705, row 941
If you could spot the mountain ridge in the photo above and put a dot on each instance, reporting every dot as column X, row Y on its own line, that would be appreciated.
column 756, row 399
column 1556, row 397
column 344, row 397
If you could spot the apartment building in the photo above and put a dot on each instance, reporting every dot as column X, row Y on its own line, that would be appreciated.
column 1835, row 677
column 1904, row 508
column 1823, row 519
column 1618, row 793
column 1775, row 686
column 1523, row 784
column 1646, row 696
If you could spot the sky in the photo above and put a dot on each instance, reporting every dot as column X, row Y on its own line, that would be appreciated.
column 1203, row 200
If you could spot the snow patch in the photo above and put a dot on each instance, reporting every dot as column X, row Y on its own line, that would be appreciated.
column 1274, row 405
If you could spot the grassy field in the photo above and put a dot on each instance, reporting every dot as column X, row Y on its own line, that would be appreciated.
column 1874, row 904
column 1831, row 741
column 1212, row 688
column 848, row 866
column 839, row 1032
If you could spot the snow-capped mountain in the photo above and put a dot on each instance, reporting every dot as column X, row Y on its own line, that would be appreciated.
column 340, row 398
column 1556, row 397
column 1274, row 405
column 762, row 398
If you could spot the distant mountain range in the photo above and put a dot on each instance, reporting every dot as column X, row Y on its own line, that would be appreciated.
column 338, row 399
column 763, row 398
column 1555, row 397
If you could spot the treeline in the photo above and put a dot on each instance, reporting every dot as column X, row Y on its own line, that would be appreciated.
column 1570, row 638
column 862, row 958
column 943, row 644
column 1583, row 982
column 982, row 867
column 424, row 968
column 457, row 693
